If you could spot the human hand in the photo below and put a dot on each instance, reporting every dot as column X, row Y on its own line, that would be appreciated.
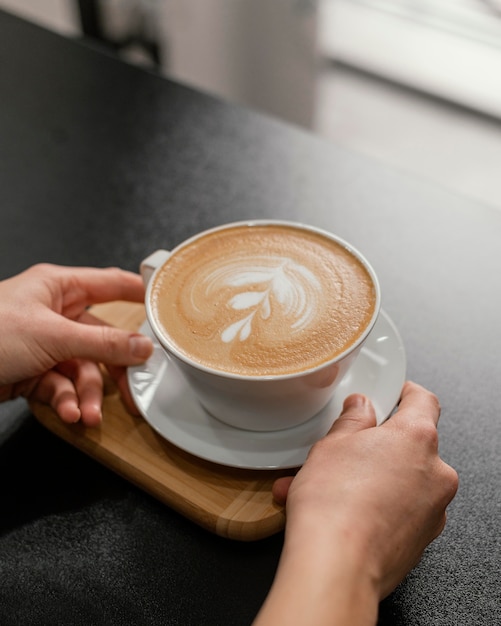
column 361, row 510
column 51, row 346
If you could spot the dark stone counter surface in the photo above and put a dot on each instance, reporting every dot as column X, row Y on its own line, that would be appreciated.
column 100, row 164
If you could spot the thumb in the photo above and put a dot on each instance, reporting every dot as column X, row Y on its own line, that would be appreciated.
column 358, row 414
column 102, row 343
column 280, row 489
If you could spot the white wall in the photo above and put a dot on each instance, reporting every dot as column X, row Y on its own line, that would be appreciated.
column 260, row 53
column 57, row 15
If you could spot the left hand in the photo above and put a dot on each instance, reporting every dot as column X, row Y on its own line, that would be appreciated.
column 51, row 346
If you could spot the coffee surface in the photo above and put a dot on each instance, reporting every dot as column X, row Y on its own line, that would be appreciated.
column 262, row 299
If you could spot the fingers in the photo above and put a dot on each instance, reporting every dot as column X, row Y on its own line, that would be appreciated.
column 96, row 285
column 102, row 343
column 420, row 409
column 280, row 489
column 88, row 384
column 59, row 392
column 417, row 404
column 119, row 376
column 74, row 390
column 357, row 414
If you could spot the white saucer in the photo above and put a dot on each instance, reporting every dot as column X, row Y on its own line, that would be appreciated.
column 168, row 405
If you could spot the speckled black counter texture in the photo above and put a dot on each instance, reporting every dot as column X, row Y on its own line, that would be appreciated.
column 100, row 164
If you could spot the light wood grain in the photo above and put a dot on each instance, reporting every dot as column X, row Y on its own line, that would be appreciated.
column 230, row 502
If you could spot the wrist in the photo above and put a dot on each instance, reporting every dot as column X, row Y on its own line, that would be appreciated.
column 322, row 578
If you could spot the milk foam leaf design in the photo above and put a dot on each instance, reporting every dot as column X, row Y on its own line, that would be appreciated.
column 292, row 293
column 242, row 328
column 266, row 308
column 247, row 299
column 291, row 285
column 251, row 277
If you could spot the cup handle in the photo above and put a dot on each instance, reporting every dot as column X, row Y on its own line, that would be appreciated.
column 150, row 264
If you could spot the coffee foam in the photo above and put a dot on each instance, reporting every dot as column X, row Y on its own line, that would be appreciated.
column 262, row 300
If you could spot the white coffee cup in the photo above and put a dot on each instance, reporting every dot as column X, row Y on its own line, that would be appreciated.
column 254, row 401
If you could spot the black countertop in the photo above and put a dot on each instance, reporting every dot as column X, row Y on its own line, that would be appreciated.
column 100, row 164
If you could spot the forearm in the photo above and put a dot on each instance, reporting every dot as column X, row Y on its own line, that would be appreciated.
column 318, row 582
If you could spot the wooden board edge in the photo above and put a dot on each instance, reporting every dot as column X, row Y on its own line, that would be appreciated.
column 225, row 527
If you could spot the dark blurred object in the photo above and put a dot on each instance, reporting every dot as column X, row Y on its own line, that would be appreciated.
column 139, row 34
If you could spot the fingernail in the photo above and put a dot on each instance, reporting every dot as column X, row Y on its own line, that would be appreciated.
column 98, row 413
column 94, row 416
column 356, row 401
column 140, row 346
column 76, row 417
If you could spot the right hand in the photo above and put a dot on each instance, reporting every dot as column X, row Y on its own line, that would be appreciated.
column 386, row 487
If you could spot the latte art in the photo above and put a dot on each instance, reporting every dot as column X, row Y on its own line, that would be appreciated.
column 262, row 299
column 264, row 285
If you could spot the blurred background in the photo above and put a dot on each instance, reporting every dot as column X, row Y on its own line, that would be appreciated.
column 413, row 83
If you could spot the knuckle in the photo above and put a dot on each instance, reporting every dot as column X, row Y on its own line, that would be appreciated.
column 451, row 479
column 435, row 401
column 110, row 341
column 445, row 485
column 114, row 271
column 320, row 449
column 440, row 525
column 426, row 432
column 44, row 269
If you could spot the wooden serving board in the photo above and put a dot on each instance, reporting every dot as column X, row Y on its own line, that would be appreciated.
column 231, row 502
